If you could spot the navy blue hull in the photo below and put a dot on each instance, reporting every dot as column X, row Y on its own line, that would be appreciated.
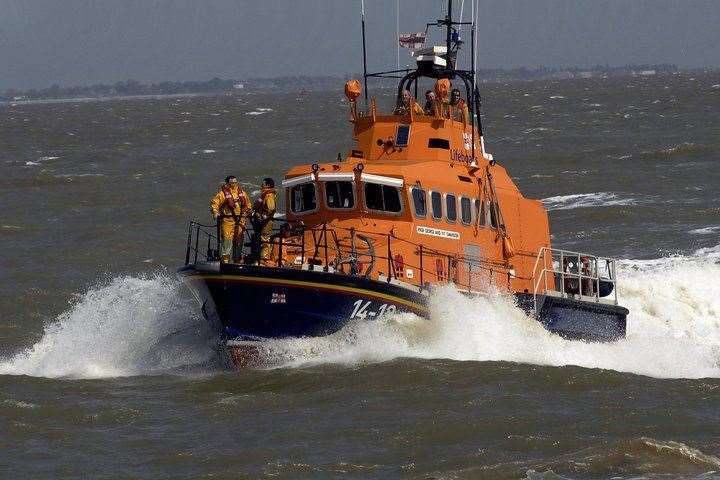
column 576, row 320
column 247, row 302
column 255, row 303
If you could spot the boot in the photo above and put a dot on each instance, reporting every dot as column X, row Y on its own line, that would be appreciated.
column 225, row 259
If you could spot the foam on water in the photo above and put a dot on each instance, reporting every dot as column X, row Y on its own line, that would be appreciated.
column 706, row 230
column 128, row 326
column 673, row 328
column 134, row 326
column 585, row 200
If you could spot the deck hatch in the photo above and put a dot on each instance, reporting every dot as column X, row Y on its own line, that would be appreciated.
column 439, row 143
column 402, row 137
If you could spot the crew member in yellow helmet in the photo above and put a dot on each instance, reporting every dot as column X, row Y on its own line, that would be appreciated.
column 262, row 218
column 229, row 207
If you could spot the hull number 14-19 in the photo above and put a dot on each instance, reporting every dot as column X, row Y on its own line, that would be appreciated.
column 362, row 310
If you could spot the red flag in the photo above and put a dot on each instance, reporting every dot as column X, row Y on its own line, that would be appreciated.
column 412, row 41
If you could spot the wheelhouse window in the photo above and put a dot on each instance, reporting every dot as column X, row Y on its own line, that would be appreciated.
column 419, row 202
column 339, row 194
column 302, row 198
column 436, row 200
column 480, row 212
column 465, row 210
column 382, row 198
column 450, row 207
column 493, row 215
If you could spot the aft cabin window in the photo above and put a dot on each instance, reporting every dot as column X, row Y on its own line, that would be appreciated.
column 382, row 198
column 436, row 199
column 419, row 202
column 480, row 213
column 492, row 214
column 465, row 210
column 450, row 207
column 302, row 198
column 339, row 194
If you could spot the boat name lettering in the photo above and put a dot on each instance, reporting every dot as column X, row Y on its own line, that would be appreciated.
column 436, row 232
column 457, row 156
column 278, row 298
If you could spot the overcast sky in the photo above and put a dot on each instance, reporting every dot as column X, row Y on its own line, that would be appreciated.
column 80, row 42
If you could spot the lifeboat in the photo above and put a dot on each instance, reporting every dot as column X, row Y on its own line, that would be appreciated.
column 416, row 202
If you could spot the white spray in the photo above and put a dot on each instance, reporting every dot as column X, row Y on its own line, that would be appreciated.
column 129, row 326
column 134, row 326
column 673, row 328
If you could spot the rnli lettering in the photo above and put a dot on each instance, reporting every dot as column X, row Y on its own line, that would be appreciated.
column 436, row 232
column 457, row 156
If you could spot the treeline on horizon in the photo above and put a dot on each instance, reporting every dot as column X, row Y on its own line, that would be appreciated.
column 296, row 83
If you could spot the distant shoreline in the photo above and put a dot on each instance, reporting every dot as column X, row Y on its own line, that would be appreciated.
column 133, row 90
column 46, row 101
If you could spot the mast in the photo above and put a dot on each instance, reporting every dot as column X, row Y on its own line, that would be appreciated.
column 365, row 75
column 448, row 23
column 472, row 68
column 397, row 32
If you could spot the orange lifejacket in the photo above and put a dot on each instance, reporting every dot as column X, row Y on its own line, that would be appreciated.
column 260, row 205
column 227, row 193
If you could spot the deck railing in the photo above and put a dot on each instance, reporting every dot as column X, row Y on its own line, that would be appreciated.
column 354, row 252
column 577, row 275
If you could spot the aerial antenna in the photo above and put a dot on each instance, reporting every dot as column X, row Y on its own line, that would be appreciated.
column 448, row 38
column 472, row 68
column 365, row 76
column 397, row 31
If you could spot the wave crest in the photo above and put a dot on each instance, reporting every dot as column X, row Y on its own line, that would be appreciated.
column 146, row 325
column 129, row 326
column 587, row 200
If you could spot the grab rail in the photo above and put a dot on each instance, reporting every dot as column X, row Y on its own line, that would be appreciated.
column 323, row 249
column 195, row 231
column 580, row 275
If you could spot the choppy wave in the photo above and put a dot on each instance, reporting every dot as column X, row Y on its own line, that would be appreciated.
column 259, row 111
column 129, row 326
column 40, row 161
column 673, row 328
column 133, row 326
column 586, row 200
column 706, row 230
column 681, row 149
column 642, row 457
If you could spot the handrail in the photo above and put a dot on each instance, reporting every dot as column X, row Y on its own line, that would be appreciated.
column 195, row 229
column 585, row 269
column 289, row 236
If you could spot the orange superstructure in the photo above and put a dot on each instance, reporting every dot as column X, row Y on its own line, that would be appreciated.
column 474, row 226
column 415, row 203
